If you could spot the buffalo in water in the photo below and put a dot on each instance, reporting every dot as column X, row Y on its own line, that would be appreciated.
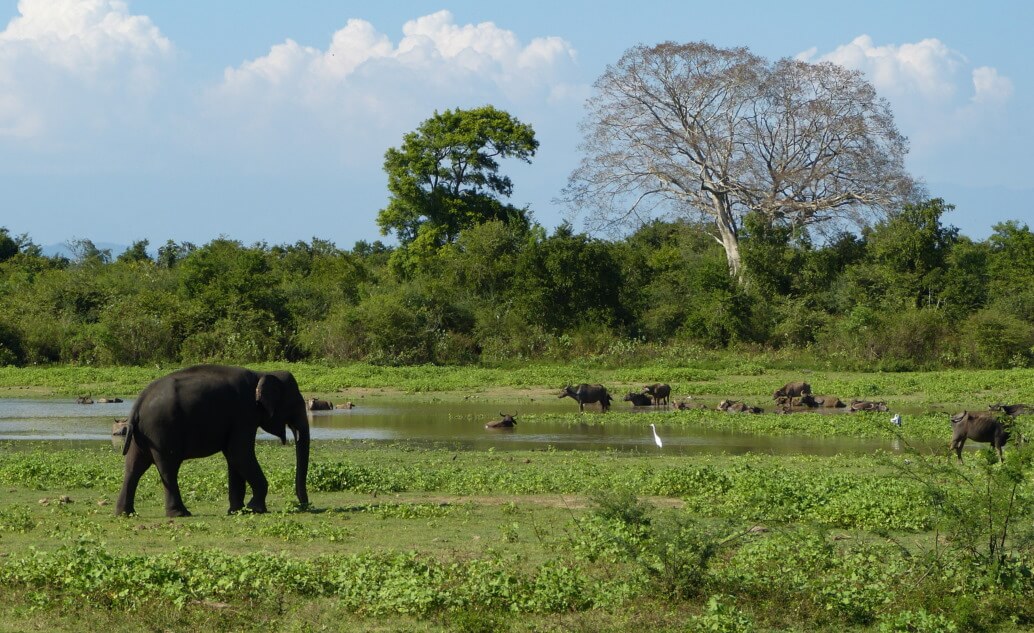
column 659, row 391
column 867, row 405
column 979, row 427
column 1010, row 409
column 584, row 393
column 507, row 422
column 735, row 406
column 638, row 399
column 315, row 404
column 792, row 390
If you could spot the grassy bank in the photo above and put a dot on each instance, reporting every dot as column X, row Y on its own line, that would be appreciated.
column 700, row 379
column 405, row 539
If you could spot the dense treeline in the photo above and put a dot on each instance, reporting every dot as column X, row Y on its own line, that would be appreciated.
column 908, row 293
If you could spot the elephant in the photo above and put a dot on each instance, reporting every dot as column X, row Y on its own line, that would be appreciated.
column 507, row 422
column 866, row 405
column 659, row 391
column 315, row 404
column 584, row 393
column 979, row 427
column 792, row 390
column 206, row 409
column 84, row 400
column 638, row 399
column 108, row 400
column 120, row 427
column 1011, row 409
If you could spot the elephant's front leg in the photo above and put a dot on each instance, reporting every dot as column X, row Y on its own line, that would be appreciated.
column 237, row 486
column 243, row 465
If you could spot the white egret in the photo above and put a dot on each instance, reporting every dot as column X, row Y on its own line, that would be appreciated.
column 896, row 420
column 656, row 438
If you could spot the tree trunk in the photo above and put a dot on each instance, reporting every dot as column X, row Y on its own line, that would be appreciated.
column 728, row 235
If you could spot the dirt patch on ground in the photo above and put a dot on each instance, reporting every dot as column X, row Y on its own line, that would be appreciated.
column 574, row 502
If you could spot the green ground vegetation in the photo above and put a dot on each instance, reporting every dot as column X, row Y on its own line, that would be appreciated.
column 400, row 538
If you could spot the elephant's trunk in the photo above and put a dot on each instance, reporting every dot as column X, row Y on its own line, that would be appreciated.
column 301, row 449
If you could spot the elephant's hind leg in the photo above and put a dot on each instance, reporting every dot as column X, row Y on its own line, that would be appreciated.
column 138, row 460
column 168, row 470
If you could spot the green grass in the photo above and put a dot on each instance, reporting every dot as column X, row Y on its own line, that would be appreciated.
column 440, row 540
column 974, row 388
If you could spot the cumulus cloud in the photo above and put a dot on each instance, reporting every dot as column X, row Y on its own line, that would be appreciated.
column 362, row 76
column 937, row 94
column 87, row 54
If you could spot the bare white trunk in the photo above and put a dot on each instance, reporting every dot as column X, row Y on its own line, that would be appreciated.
column 728, row 235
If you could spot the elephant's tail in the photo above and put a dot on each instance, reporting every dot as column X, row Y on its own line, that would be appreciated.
column 130, row 427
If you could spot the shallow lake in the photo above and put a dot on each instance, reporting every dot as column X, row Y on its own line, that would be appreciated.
column 455, row 425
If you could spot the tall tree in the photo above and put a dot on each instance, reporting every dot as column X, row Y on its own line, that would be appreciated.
column 445, row 176
column 697, row 129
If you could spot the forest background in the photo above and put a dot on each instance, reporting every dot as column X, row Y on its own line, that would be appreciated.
column 907, row 293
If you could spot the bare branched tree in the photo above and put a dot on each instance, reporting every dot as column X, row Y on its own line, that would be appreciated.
column 700, row 130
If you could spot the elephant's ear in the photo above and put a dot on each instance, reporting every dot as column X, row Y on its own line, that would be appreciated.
column 268, row 393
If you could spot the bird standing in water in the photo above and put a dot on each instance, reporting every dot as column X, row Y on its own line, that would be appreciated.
column 896, row 420
column 656, row 438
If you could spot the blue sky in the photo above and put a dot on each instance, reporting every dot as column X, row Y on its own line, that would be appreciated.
column 268, row 121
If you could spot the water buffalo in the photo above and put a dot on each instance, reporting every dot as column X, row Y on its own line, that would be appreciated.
column 584, row 393
column 108, row 400
column 1010, row 409
column 84, row 400
column 659, row 391
column 507, row 422
column 345, row 405
column 315, row 404
column 792, row 390
column 867, row 405
column 808, row 400
column 979, row 427
column 735, row 406
column 831, row 402
column 638, row 399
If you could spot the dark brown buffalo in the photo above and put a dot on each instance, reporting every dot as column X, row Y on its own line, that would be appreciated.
column 659, row 391
column 979, row 427
column 735, row 406
column 507, row 422
column 315, row 404
column 831, row 402
column 1011, row 409
column 120, row 427
column 792, row 390
column 867, row 405
column 84, row 400
column 638, row 399
column 584, row 393
column 809, row 401
column 108, row 400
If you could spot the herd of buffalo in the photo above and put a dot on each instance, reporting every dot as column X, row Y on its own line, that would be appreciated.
column 980, row 426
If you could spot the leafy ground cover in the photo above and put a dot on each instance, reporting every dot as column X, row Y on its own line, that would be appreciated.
column 431, row 539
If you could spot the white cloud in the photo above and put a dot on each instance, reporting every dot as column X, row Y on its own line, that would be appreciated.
column 363, row 74
column 92, row 54
column 990, row 87
column 938, row 97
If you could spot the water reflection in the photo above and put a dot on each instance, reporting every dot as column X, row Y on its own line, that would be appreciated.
column 458, row 425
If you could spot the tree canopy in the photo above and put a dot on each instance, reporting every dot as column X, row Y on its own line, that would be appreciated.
column 722, row 133
column 445, row 176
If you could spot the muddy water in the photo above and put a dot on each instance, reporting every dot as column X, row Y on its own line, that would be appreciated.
column 459, row 426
